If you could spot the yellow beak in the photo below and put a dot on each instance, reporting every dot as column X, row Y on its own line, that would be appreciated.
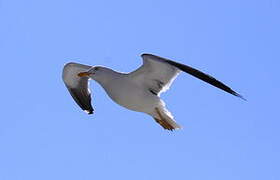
column 83, row 74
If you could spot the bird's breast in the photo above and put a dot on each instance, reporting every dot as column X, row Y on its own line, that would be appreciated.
column 129, row 95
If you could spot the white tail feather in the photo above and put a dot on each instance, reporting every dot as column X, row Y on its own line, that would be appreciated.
column 165, row 119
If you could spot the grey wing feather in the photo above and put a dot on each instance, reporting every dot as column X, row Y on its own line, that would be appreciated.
column 155, row 74
column 78, row 86
column 194, row 72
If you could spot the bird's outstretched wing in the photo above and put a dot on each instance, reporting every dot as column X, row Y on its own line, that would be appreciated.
column 158, row 73
column 155, row 74
column 78, row 86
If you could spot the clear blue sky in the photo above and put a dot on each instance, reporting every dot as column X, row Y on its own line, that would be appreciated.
column 44, row 135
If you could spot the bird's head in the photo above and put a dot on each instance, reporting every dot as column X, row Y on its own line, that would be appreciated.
column 98, row 73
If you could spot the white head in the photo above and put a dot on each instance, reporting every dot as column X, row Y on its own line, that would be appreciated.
column 99, row 74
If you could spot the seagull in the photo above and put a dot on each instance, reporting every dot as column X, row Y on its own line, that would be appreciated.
column 138, row 90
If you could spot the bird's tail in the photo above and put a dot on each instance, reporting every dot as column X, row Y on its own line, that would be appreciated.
column 165, row 119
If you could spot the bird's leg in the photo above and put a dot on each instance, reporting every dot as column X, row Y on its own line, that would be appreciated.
column 158, row 113
column 162, row 122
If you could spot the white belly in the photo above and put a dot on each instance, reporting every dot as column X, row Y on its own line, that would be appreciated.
column 131, row 96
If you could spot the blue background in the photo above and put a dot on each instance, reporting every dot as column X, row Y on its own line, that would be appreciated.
column 44, row 134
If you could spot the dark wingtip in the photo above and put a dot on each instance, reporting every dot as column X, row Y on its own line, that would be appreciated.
column 88, row 111
column 240, row 96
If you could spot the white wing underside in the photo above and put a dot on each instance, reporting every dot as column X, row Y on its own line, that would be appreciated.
column 155, row 74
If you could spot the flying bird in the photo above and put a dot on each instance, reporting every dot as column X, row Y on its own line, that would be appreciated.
column 138, row 90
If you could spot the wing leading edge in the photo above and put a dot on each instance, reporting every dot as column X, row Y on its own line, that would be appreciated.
column 198, row 74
